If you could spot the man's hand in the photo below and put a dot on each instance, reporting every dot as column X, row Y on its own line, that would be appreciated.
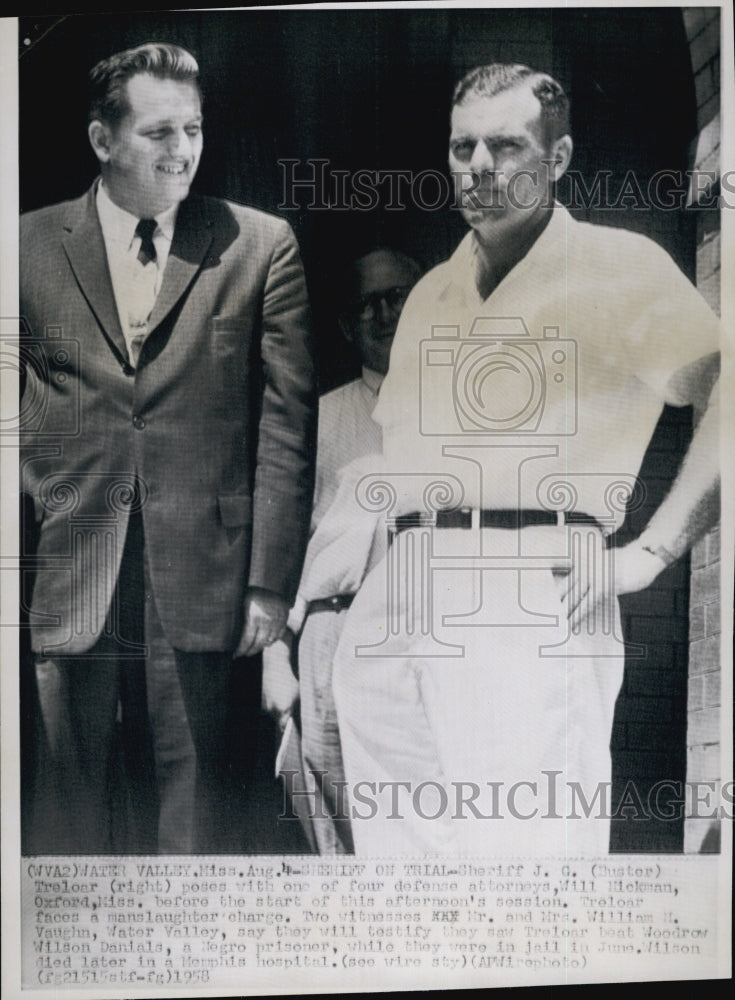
column 280, row 686
column 597, row 578
column 689, row 510
column 265, row 621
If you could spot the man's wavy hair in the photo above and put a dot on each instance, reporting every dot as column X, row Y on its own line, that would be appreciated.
column 487, row 81
column 107, row 94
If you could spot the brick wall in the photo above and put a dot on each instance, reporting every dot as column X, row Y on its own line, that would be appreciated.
column 703, row 713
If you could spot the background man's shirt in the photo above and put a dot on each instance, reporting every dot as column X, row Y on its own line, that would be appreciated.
column 346, row 432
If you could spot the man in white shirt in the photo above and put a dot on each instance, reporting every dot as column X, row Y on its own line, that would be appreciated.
column 477, row 674
column 375, row 289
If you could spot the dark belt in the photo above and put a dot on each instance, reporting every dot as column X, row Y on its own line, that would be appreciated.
column 512, row 519
column 337, row 603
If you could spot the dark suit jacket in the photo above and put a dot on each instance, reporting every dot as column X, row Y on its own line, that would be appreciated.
column 216, row 424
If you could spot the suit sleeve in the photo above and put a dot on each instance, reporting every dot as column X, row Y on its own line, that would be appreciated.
column 286, row 446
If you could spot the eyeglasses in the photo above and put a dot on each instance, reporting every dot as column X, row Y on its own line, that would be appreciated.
column 368, row 306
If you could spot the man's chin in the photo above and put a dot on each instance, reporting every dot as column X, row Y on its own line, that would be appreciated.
column 168, row 195
column 178, row 186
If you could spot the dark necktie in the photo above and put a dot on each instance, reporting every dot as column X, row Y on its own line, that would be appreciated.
column 145, row 229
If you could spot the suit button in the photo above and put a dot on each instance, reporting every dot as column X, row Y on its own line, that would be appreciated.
column 128, row 369
column 138, row 423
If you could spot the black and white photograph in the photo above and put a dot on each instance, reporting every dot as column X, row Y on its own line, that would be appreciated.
column 367, row 537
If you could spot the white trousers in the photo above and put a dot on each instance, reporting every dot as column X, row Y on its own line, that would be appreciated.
column 472, row 721
column 322, row 767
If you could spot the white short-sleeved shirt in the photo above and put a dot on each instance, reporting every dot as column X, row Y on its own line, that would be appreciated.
column 346, row 431
column 545, row 394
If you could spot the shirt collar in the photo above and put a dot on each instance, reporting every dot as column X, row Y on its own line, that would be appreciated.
column 120, row 224
column 549, row 235
column 463, row 263
column 372, row 379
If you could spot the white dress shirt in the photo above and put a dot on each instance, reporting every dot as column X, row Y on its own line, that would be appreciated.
column 135, row 286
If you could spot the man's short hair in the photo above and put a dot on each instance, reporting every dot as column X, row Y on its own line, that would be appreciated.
column 107, row 97
column 487, row 81
column 347, row 278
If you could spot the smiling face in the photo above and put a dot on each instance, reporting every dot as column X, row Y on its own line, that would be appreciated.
column 503, row 165
column 150, row 157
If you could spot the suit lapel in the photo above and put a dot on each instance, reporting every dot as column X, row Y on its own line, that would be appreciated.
column 85, row 249
column 192, row 238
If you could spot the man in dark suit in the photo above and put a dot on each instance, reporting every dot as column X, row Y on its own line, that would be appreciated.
column 170, row 463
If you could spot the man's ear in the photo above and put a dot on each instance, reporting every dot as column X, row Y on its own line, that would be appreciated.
column 346, row 328
column 99, row 138
column 561, row 156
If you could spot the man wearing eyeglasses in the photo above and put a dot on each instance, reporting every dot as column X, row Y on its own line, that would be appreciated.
column 376, row 287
